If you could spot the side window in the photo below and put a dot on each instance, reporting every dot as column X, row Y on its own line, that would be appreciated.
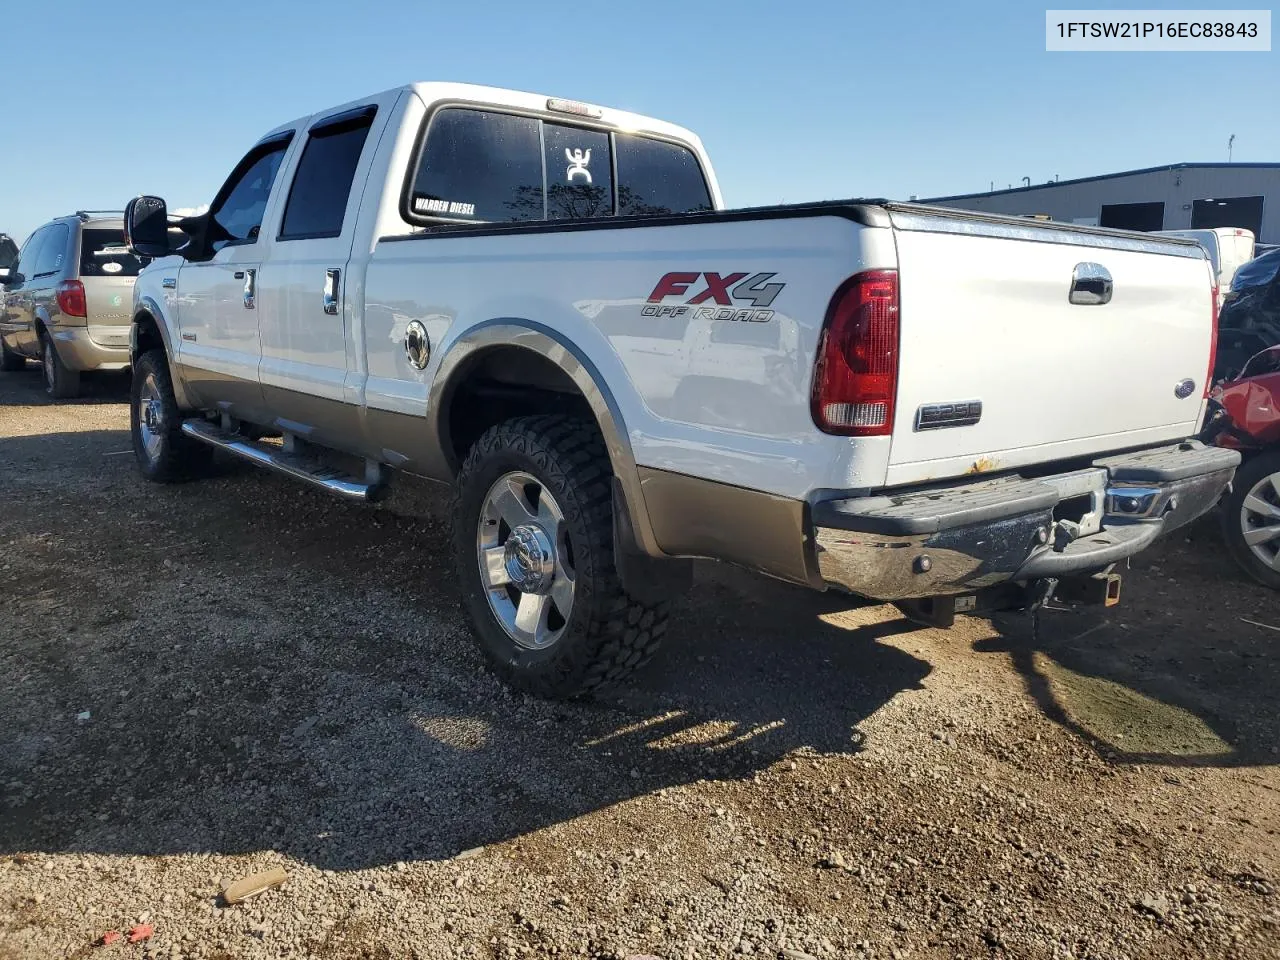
column 30, row 252
column 53, row 250
column 655, row 177
column 579, row 172
column 318, row 197
column 237, row 216
column 477, row 165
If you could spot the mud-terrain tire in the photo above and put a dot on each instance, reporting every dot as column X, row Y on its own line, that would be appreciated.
column 60, row 382
column 1254, row 508
column 554, row 473
column 163, row 453
column 11, row 362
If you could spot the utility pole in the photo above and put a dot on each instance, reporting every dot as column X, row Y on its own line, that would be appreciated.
column 1230, row 140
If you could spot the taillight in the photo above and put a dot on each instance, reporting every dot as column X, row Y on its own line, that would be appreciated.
column 71, row 298
column 855, row 380
column 1213, row 340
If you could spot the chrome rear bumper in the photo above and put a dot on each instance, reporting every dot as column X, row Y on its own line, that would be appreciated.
column 946, row 540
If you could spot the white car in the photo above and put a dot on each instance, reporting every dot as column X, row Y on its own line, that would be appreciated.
column 544, row 303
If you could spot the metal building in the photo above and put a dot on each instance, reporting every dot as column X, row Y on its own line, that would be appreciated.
column 1175, row 197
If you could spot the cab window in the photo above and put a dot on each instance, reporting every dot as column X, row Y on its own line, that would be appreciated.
column 322, row 184
column 480, row 165
column 483, row 165
column 656, row 177
column 237, row 213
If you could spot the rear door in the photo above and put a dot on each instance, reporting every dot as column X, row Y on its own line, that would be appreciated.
column 50, row 268
column 107, row 270
column 304, row 322
column 986, row 318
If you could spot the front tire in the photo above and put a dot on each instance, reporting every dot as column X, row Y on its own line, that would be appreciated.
column 60, row 382
column 1251, row 519
column 163, row 452
column 533, row 543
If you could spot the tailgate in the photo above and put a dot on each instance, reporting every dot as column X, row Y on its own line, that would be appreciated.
column 985, row 317
column 108, row 308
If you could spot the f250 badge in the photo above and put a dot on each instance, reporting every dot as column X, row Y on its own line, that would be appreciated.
column 755, row 290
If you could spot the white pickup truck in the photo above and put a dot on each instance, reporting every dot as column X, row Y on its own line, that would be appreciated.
column 543, row 303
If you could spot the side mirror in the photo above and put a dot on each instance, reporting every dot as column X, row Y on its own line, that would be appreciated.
column 146, row 227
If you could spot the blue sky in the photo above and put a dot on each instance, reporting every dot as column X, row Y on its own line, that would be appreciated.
column 795, row 101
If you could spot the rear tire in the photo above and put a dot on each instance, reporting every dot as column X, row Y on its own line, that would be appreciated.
column 164, row 453
column 11, row 362
column 60, row 382
column 534, row 497
column 1252, row 513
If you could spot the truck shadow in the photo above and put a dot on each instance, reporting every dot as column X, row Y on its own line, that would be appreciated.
column 265, row 668
column 1176, row 675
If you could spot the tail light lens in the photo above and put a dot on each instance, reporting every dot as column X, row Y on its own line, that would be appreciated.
column 71, row 298
column 1213, row 340
column 855, row 380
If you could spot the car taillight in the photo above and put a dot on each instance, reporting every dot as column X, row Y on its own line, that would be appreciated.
column 71, row 298
column 1213, row 340
column 855, row 380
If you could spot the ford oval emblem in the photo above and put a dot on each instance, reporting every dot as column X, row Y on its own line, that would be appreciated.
column 1184, row 389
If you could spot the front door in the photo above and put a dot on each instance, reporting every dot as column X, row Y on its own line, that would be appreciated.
column 218, row 312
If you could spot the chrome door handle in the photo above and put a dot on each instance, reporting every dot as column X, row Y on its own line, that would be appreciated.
column 250, row 288
column 332, row 286
column 1091, row 285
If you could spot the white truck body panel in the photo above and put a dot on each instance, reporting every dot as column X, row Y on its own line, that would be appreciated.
column 690, row 401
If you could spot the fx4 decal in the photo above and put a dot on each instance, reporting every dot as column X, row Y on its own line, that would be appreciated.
column 755, row 290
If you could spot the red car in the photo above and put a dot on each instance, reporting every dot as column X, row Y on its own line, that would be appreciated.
column 1245, row 415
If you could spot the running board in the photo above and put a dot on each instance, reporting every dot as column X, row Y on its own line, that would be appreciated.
column 306, row 469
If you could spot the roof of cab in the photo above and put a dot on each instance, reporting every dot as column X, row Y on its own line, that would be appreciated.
column 432, row 91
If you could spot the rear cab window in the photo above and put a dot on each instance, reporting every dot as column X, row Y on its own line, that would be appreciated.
column 478, row 165
column 103, row 254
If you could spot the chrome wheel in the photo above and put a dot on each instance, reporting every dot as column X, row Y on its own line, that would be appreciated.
column 150, row 417
column 47, row 360
column 526, row 562
column 1260, row 520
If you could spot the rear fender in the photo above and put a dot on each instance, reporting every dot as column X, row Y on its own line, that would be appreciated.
column 530, row 335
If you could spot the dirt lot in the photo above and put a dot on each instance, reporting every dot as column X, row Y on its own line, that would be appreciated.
column 273, row 678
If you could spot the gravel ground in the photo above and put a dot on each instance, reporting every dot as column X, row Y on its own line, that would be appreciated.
column 207, row 680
